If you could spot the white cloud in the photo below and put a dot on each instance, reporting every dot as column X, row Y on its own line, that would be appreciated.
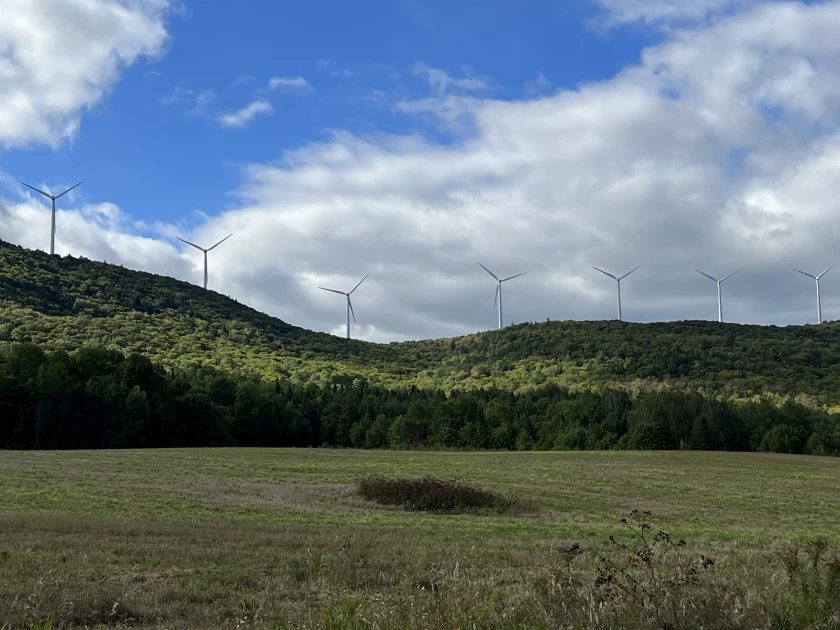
column 293, row 85
column 538, row 86
column 442, row 83
column 199, row 100
column 243, row 116
column 658, row 12
column 719, row 150
column 60, row 57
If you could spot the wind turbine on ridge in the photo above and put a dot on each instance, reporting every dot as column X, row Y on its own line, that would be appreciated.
column 205, row 252
column 52, row 198
column 817, row 280
column 618, row 280
column 349, row 303
column 499, row 281
column 719, row 282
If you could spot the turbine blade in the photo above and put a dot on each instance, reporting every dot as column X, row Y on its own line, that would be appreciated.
column 512, row 277
column 333, row 290
column 628, row 273
column 808, row 274
column 707, row 275
column 188, row 243
column 730, row 275
column 826, row 271
column 38, row 191
column 496, row 298
column 352, row 312
column 220, row 242
column 360, row 282
column 605, row 273
column 69, row 189
column 488, row 271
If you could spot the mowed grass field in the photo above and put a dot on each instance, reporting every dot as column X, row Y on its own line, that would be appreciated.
column 236, row 538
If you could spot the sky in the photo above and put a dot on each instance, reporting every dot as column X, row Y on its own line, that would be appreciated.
column 413, row 139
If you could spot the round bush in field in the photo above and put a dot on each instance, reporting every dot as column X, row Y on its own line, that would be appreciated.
column 431, row 494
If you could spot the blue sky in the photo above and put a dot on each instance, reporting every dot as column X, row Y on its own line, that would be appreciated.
column 409, row 139
column 158, row 160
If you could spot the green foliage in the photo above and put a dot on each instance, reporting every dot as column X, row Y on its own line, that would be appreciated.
column 96, row 398
column 69, row 303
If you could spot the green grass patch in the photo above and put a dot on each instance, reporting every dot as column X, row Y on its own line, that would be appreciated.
column 274, row 538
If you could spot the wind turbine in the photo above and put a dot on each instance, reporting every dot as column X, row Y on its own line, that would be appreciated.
column 817, row 279
column 618, row 284
column 349, row 303
column 52, row 198
column 498, row 297
column 719, row 282
column 205, row 252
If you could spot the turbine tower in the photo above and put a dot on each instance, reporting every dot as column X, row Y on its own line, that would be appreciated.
column 349, row 303
column 618, row 284
column 205, row 252
column 52, row 198
column 719, row 282
column 817, row 280
column 499, row 281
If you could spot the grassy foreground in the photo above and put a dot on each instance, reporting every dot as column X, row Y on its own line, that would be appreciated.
column 274, row 538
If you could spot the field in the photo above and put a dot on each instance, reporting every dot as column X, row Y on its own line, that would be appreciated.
column 241, row 538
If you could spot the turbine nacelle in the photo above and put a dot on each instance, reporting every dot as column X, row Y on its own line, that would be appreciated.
column 618, row 280
column 202, row 249
column 52, row 198
column 346, row 294
column 718, row 282
column 498, row 296
column 48, row 195
column 817, row 280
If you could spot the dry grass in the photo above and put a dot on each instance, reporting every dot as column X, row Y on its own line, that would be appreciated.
column 237, row 538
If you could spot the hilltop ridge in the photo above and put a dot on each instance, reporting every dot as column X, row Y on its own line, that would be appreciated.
column 66, row 303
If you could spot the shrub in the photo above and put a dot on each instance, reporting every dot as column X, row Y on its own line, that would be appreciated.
column 430, row 494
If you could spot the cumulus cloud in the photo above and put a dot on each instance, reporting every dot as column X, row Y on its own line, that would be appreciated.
column 242, row 117
column 719, row 149
column 60, row 57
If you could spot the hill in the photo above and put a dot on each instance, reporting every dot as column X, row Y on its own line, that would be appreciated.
column 67, row 303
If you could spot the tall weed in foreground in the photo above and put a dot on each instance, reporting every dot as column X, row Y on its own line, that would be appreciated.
column 653, row 577
column 812, row 599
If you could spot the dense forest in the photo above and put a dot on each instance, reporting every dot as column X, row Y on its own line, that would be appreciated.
column 98, row 398
column 66, row 303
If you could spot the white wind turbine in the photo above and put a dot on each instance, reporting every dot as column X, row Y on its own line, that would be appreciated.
column 499, row 281
column 618, row 280
column 349, row 303
column 205, row 252
column 817, row 280
column 719, row 282
column 52, row 198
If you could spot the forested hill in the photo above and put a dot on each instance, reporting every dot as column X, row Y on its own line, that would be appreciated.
column 66, row 303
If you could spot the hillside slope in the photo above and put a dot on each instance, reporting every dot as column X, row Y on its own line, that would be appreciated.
column 70, row 302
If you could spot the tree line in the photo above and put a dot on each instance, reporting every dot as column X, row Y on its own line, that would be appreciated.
column 100, row 398
column 65, row 303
